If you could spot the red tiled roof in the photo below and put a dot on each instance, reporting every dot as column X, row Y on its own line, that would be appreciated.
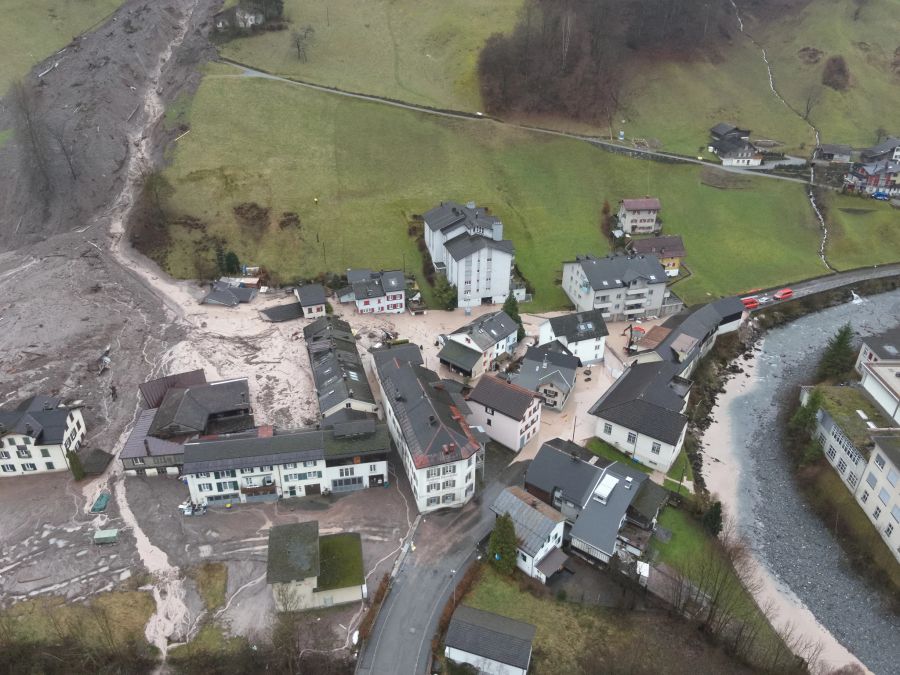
column 641, row 204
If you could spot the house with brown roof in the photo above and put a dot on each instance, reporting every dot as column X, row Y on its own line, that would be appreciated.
column 639, row 216
column 669, row 249
column 509, row 414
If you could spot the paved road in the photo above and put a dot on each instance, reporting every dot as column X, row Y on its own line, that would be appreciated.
column 445, row 545
column 836, row 280
column 459, row 114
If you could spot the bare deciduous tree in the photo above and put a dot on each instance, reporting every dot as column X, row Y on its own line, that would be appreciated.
column 300, row 40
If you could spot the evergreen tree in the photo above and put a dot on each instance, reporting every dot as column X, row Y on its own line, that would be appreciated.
column 502, row 546
column 511, row 307
column 839, row 356
column 712, row 519
column 232, row 263
column 803, row 420
column 444, row 293
column 75, row 464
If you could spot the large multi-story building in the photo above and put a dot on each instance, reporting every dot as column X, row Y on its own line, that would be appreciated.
column 426, row 417
column 582, row 334
column 266, row 464
column 622, row 287
column 36, row 435
column 466, row 244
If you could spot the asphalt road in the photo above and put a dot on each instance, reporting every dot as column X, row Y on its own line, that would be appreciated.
column 445, row 545
column 830, row 281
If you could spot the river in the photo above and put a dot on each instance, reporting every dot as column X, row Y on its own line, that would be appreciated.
column 805, row 575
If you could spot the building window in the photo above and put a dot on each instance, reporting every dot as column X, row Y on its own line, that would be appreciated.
column 45, row 452
column 865, row 497
column 841, row 465
column 346, row 471
column 50, row 466
column 8, row 468
column 373, row 468
column 607, row 428
column 448, row 498
column 433, row 501
column 310, row 463
column 449, row 468
column 852, row 479
column 23, row 453
column 4, row 454
column 434, row 472
column 632, row 437
column 879, row 461
column 895, row 513
column 655, row 448
column 449, row 484
column 889, row 530
column 291, row 465
column 892, row 478
column 205, row 487
column 884, row 496
column 523, row 557
column 489, row 423
column 433, row 487
column 871, row 480
column 831, row 453
column 29, row 467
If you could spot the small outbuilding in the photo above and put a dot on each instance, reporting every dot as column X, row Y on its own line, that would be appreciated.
column 312, row 300
column 491, row 643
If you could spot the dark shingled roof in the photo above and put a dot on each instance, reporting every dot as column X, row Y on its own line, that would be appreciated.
column 491, row 636
column 886, row 345
column 534, row 520
column 428, row 414
column 42, row 414
column 457, row 354
column 139, row 444
column 311, row 295
column 875, row 152
column 553, row 468
column 293, row 552
column 364, row 283
column 619, row 271
column 560, row 369
column 488, row 329
column 450, row 213
column 669, row 246
column 890, row 445
column 580, row 325
column 509, row 399
column 466, row 244
column 650, row 498
column 279, row 313
column 336, row 365
column 185, row 411
column 647, row 398
column 732, row 146
column 222, row 293
column 154, row 391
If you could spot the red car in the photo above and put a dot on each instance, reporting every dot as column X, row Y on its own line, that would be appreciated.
column 750, row 303
column 783, row 294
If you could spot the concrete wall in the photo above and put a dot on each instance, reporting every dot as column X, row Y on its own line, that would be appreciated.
column 642, row 447
column 353, row 404
column 482, row 664
column 882, row 395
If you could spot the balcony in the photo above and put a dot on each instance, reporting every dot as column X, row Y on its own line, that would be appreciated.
column 635, row 310
column 637, row 291
column 259, row 490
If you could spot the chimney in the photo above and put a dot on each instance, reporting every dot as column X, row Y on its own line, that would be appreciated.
column 574, row 456
column 29, row 430
column 470, row 205
column 432, row 420
column 146, row 448
column 265, row 431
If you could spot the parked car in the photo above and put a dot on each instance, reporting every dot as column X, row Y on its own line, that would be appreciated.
column 764, row 299
column 750, row 303
column 881, row 196
column 783, row 294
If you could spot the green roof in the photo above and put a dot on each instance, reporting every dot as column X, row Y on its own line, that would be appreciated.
column 842, row 403
column 341, row 561
column 378, row 441
column 293, row 552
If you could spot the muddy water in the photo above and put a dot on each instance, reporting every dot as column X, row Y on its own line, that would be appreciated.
column 805, row 577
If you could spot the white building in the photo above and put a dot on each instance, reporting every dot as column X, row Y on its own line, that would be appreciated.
column 539, row 532
column 492, row 644
column 882, row 347
column 268, row 464
column 623, row 288
column 312, row 300
column 473, row 349
column 881, row 380
column 642, row 414
column 639, row 216
column 375, row 292
column 36, row 435
column 879, row 493
column 508, row 413
column 466, row 244
column 426, row 417
column 583, row 334
column 549, row 372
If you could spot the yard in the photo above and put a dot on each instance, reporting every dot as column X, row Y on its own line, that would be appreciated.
column 861, row 231
column 606, row 451
column 572, row 638
column 421, row 51
column 340, row 561
column 372, row 167
column 31, row 30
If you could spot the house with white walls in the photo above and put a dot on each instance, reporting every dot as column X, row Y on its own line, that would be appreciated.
column 583, row 334
column 881, row 347
column 375, row 292
column 639, row 216
column 466, row 245
column 508, row 413
column 36, row 434
column 426, row 416
column 881, row 380
column 539, row 532
column 550, row 371
column 312, row 300
column 879, row 492
column 473, row 349
column 488, row 642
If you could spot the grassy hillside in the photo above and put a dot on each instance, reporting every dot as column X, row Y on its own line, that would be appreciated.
column 33, row 29
column 861, row 231
column 422, row 51
column 371, row 166
column 871, row 47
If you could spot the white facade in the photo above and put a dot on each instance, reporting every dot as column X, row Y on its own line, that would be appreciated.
column 638, row 221
column 879, row 497
column 482, row 664
column 882, row 382
column 587, row 351
column 20, row 456
column 529, row 564
column 640, row 299
column 292, row 479
column 645, row 449
column 481, row 275
column 508, row 431
column 506, row 345
column 389, row 303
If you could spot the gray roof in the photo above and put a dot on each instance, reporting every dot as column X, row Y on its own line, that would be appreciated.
column 293, row 552
column 554, row 469
column 311, row 295
column 650, row 498
column 154, row 391
column 265, row 446
column 448, row 214
column 504, row 397
column 429, row 416
column 886, row 345
column 699, row 325
column 335, row 362
column 890, row 445
column 731, row 146
column 39, row 417
column 139, row 444
column 618, row 271
column 491, row 636
column 457, row 354
column 489, row 329
column 882, row 148
column 368, row 284
column 343, row 415
column 466, row 244
column 723, row 128
column 648, row 399
column 580, row 326
column 286, row 312
column 187, row 410
column 533, row 519
column 834, row 149
column 546, row 366
column 222, row 293
column 667, row 246
column 598, row 524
